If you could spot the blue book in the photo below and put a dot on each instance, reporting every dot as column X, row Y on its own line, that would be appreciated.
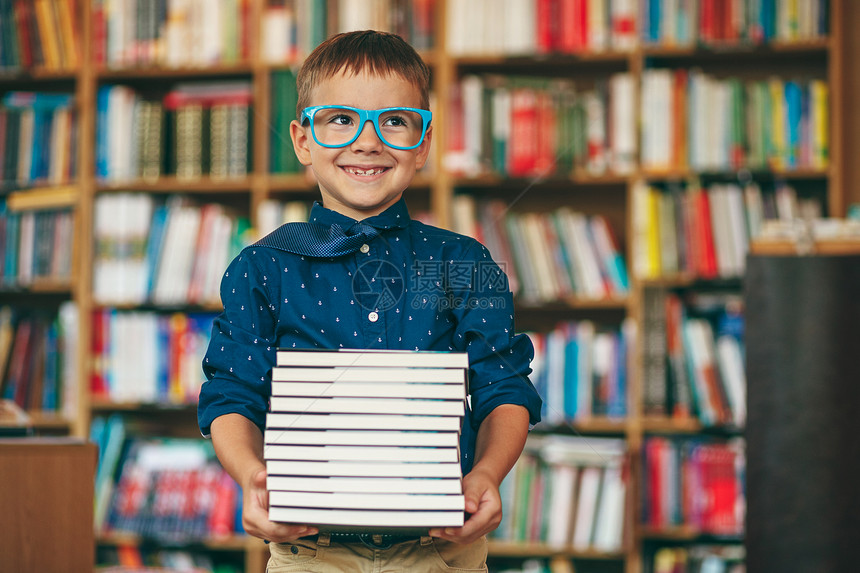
column 153, row 246
column 102, row 150
column 768, row 19
column 571, row 374
column 51, row 374
column 617, row 406
column 38, row 101
column 793, row 121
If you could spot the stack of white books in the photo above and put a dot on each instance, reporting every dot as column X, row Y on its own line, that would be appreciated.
column 366, row 440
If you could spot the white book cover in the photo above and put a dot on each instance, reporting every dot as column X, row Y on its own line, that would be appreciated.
column 364, row 469
column 371, row 390
column 370, row 518
column 352, row 405
column 365, row 484
column 355, row 374
column 586, row 507
column 373, row 358
column 398, row 501
column 561, row 505
column 366, row 422
column 358, row 453
column 361, row 438
column 609, row 528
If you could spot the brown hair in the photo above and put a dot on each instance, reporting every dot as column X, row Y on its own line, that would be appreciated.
column 375, row 52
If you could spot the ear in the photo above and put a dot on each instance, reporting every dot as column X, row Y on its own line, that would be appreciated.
column 301, row 142
column 423, row 150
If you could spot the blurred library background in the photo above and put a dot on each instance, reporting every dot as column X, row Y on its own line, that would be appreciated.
column 669, row 185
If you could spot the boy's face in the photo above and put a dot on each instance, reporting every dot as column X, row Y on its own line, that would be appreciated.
column 365, row 177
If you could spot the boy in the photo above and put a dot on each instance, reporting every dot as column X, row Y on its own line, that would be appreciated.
column 314, row 285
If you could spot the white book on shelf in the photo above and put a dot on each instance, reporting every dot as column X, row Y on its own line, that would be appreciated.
column 350, row 484
column 353, row 374
column 609, row 526
column 357, row 453
column 364, row 469
column 371, row 390
column 586, row 507
column 361, row 437
column 353, row 405
column 562, row 504
column 367, row 422
column 368, row 518
column 398, row 501
column 623, row 123
column 372, row 358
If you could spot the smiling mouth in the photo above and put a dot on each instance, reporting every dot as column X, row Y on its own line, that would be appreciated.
column 365, row 172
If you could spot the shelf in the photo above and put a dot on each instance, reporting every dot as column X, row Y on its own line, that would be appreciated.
column 729, row 51
column 41, row 287
column 511, row 549
column 171, row 184
column 102, row 405
column 35, row 198
column 492, row 181
column 549, row 60
column 592, row 425
column 23, row 76
column 574, row 303
column 668, row 425
column 151, row 73
column 741, row 174
column 231, row 543
column 684, row 533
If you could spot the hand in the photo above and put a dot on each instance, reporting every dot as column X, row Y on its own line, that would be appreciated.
column 483, row 509
column 255, row 514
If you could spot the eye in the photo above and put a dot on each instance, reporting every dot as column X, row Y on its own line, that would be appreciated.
column 340, row 119
column 396, row 121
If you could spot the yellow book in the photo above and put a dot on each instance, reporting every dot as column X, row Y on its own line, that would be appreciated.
column 66, row 27
column 776, row 155
column 820, row 93
column 655, row 265
column 48, row 35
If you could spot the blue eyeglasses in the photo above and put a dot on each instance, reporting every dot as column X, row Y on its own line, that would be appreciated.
column 338, row 126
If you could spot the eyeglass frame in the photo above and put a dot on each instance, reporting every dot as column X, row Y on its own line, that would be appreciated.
column 365, row 115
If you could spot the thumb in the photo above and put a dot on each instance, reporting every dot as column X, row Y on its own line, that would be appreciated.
column 473, row 500
column 258, row 478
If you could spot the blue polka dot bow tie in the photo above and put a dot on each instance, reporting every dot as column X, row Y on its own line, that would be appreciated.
column 321, row 241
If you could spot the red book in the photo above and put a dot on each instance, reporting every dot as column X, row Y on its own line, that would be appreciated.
column 545, row 138
column 98, row 384
column 656, row 476
column 707, row 261
column 566, row 26
column 546, row 16
column 22, row 23
column 582, row 25
column 524, row 132
column 224, row 509
column 99, row 23
column 721, row 490
column 707, row 21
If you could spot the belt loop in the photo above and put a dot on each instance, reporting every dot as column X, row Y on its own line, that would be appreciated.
column 324, row 539
column 425, row 540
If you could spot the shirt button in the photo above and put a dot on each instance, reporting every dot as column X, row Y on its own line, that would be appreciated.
column 364, row 248
column 373, row 316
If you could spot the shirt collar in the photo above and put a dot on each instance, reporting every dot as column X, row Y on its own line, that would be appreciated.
column 395, row 217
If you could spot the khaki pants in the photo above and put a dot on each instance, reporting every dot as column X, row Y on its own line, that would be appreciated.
column 424, row 555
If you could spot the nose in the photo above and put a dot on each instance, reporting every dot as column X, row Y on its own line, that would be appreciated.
column 367, row 139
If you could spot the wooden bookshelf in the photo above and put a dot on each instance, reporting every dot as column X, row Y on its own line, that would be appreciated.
column 834, row 57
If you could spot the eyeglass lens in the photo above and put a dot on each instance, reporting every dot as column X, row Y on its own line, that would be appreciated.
column 338, row 126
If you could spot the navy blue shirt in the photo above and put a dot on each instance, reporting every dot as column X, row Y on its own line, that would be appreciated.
column 413, row 287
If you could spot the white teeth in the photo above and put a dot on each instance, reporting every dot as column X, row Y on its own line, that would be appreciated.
column 364, row 172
